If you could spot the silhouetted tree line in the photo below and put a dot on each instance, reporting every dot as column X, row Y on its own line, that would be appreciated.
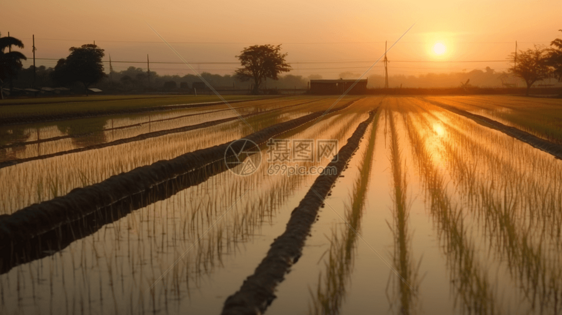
column 84, row 68
column 135, row 79
column 477, row 78
column 528, row 67
column 538, row 63
column 10, row 61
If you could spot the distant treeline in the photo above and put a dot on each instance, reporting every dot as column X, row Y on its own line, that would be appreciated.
column 536, row 91
column 137, row 80
column 487, row 78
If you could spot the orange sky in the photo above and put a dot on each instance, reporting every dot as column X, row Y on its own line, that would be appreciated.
column 334, row 31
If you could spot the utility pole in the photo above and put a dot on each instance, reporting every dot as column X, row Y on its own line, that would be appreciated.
column 11, row 80
column 34, row 69
column 110, row 69
column 148, row 68
column 515, row 61
column 385, row 68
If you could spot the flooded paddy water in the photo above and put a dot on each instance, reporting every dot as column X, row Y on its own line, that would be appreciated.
column 434, row 214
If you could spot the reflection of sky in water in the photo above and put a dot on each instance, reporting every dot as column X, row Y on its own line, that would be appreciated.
column 367, row 288
column 68, row 170
column 142, row 245
column 79, row 133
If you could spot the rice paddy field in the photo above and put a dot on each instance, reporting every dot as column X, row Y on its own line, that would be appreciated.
column 436, row 205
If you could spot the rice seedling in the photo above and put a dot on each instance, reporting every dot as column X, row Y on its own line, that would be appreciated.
column 405, row 282
column 69, row 134
column 144, row 244
column 482, row 208
column 257, row 291
column 103, row 163
column 517, row 208
column 331, row 288
column 473, row 289
column 541, row 117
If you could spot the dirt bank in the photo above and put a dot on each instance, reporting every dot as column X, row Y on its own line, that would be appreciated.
column 46, row 216
column 75, row 136
column 24, row 251
column 141, row 137
column 55, row 117
column 541, row 144
column 258, row 290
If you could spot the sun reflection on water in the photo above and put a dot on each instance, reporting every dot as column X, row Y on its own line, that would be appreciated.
column 438, row 129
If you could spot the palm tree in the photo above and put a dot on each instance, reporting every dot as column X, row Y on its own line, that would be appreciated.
column 10, row 62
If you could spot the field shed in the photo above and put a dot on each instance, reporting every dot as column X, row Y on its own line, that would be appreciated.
column 338, row 86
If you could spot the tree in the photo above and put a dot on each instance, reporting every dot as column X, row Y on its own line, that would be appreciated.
column 140, row 78
column 60, row 74
column 41, row 74
column 555, row 58
column 260, row 62
column 84, row 64
column 126, row 81
column 10, row 62
column 531, row 66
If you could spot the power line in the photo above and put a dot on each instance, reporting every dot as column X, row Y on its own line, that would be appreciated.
column 287, row 43
column 293, row 62
column 301, row 69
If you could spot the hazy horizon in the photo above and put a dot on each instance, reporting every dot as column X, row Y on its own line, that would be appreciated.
column 323, row 38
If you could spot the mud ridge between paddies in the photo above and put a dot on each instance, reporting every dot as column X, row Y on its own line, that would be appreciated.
column 40, row 218
column 78, row 135
column 536, row 142
column 258, row 290
column 55, row 117
column 58, row 100
column 143, row 136
column 53, row 241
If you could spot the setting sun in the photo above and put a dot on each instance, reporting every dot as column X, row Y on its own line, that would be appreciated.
column 439, row 49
